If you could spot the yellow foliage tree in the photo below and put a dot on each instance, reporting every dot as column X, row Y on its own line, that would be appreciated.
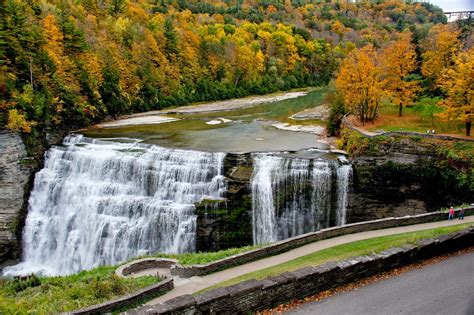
column 360, row 83
column 54, row 45
column 439, row 49
column 17, row 121
column 458, row 83
column 399, row 60
column 338, row 28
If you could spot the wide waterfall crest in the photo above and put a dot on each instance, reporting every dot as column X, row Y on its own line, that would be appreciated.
column 292, row 196
column 101, row 202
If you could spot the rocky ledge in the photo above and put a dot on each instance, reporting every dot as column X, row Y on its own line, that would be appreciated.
column 15, row 174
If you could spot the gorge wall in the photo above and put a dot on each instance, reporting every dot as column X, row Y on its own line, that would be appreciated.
column 15, row 174
column 397, row 176
column 390, row 177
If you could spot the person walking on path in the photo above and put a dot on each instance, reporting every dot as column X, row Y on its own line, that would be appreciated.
column 451, row 213
column 461, row 214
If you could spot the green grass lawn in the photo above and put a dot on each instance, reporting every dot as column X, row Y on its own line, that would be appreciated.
column 50, row 295
column 202, row 257
column 389, row 120
column 344, row 251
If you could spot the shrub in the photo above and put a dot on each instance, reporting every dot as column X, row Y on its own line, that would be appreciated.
column 336, row 114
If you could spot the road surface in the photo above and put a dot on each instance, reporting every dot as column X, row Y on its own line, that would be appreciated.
column 446, row 287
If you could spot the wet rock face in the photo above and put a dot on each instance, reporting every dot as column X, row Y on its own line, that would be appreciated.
column 227, row 224
column 383, row 185
column 15, row 174
column 383, row 190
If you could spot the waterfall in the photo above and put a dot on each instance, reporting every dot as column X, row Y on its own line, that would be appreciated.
column 100, row 203
column 344, row 173
column 322, row 182
column 292, row 196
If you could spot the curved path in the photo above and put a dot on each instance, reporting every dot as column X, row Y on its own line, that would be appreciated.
column 443, row 288
column 195, row 284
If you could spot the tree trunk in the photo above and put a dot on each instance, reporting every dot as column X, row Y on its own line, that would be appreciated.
column 400, row 110
column 468, row 128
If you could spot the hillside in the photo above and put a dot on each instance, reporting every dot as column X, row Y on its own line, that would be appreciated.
column 73, row 63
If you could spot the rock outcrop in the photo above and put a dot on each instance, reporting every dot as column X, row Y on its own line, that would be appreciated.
column 16, row 172
column 228, row 223
column 399, row 176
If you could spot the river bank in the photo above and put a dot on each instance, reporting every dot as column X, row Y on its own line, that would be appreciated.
column 161, row 116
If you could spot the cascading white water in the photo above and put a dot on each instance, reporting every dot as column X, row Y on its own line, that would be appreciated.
column 321, row 201
column 344, row 173
column 292, row 196
column 263, row 207
column 99, row 203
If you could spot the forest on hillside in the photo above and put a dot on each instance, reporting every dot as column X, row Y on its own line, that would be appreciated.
column 71, row 63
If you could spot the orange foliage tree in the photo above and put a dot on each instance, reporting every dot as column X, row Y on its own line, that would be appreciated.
column 361, row 84
column 439, row 49
column 399, row 60
column 458, row 84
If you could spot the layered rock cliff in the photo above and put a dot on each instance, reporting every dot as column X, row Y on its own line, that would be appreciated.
column 16, row 172
column 403, row 175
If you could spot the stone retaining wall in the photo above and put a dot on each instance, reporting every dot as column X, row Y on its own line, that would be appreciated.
column 148, row 263
column 256, row 295
column 147, row 293
column 304, row 239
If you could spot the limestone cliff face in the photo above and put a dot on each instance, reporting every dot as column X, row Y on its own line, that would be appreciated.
column 400, row 176
column 15, row 175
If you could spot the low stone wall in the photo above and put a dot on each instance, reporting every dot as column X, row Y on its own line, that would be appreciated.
column 147, row 263
column 256, row 295
column 304, row 239
column 403, row 133
column 136, row 297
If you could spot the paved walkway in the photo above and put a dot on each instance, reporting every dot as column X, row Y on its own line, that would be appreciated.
column 195, row 284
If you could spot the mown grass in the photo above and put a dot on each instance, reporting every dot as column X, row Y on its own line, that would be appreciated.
column 344, row 251
column 204, row 257
column 48, row 295
column 389, row 120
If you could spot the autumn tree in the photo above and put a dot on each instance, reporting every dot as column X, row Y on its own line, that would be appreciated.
column 439, row 48
column 458, row 84
column 360, row 83
column 399, row 61
column 54, row 45
column 17, row 121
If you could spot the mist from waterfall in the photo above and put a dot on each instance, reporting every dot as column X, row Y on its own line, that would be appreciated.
column 100, row 203
column 292, row 196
